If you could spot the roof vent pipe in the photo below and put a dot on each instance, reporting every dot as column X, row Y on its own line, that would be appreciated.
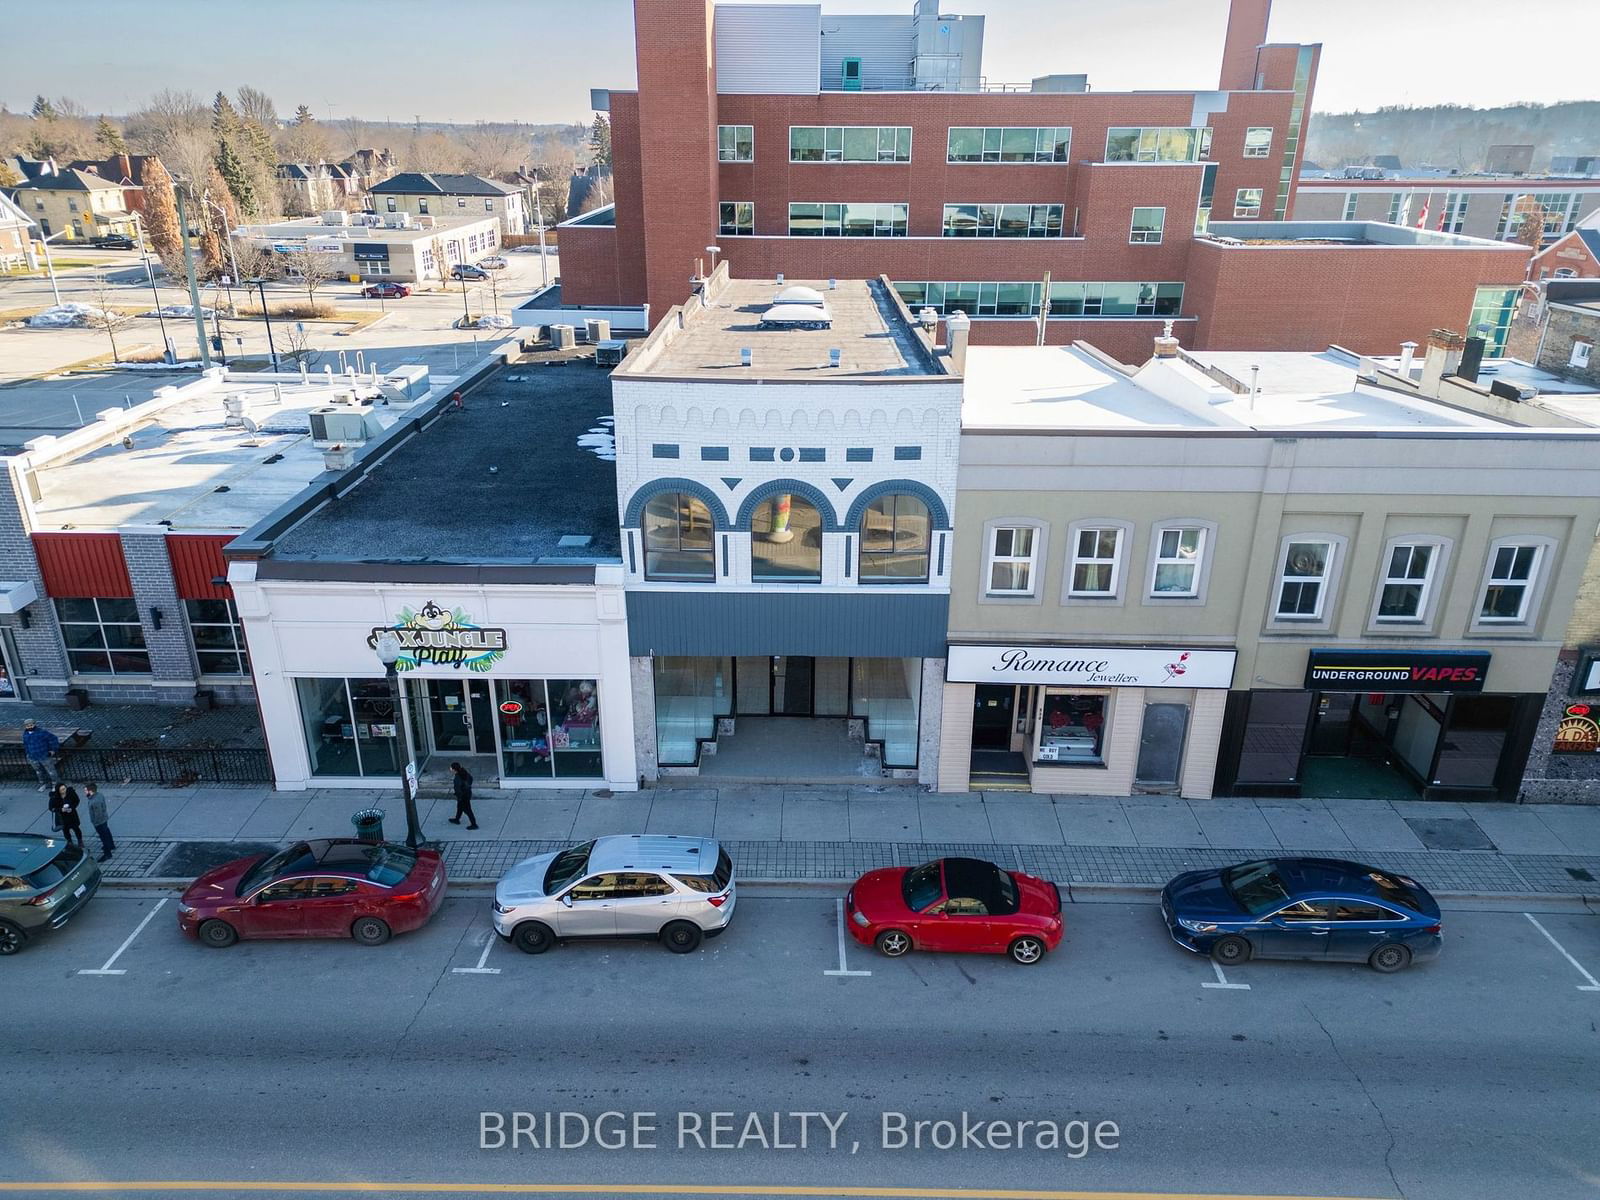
column 958, row 326
column 833, row 284
column 746, row 355
column 1408, row 352
column 780, row 278
column 834, row 355
column 1255, row 384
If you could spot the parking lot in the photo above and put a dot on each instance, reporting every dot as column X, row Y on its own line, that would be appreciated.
column 1473, row 1076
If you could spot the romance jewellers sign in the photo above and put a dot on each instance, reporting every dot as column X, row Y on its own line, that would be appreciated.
column 1090, row 666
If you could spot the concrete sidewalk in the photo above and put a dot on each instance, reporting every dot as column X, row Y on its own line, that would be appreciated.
column 818, row 833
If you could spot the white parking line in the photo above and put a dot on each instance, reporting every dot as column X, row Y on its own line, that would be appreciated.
column 488, row 945
column 106, row 968
column 1594, row 984
column 1222, row 981
column 838, row 906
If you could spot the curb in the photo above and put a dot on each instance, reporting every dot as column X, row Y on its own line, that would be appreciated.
column 1073, row 893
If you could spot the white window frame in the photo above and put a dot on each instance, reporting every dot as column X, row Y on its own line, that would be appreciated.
column 1581, row 353
column 732, row 156
column 1076, row 559
column 1040, row 153
column 1532, row 587
column 1325, row 581
column 1036, row 559
column 887, row 216
column 729, row 229
column 892, row 160
column 1157, row 560
column 1243, row 210
column 1351, row 200
column 1258, row 151
column 1437, row 549
column 1138, row 237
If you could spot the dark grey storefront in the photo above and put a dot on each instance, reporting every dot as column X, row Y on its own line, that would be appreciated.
column 854, row 657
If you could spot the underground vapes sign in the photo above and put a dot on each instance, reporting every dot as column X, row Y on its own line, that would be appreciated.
column 434, row 636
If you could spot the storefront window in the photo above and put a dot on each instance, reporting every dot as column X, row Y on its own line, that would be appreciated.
column 377, row 727
column 1469, row 753
column 575, row 728
column 524, row 717
column 1274, row 734
column 895, row 533
column 677, row 537
column 691, row 693
column 888, row 693
column 549, row 727
column 786, row 541
column 1072, row 729
column 329, row 728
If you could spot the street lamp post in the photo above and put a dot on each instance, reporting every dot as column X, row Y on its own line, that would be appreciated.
column 388, row 648
column 466, row 316
column 194, row 286
column 49, row 266
column 167, row 349
column 227, row 228
column 260, row 285
column 538, row 210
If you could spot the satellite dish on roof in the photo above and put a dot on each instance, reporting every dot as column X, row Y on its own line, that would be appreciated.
column 249, row 425
column 798, row 294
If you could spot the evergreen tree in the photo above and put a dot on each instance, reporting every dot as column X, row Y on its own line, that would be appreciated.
column 109, row 137
column 43, row 110
column 161, row 216
column 302, row 115
column 600, row 140
column 224, row 119
column 234, row 174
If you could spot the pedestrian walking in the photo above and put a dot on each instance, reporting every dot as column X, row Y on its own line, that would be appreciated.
column 463, row 789
column 66, row 802
column 101, row 823
column 41, row 746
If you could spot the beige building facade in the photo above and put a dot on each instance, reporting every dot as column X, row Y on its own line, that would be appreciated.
column 1175, row 580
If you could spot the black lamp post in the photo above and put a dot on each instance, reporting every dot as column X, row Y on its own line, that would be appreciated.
column 388, row 648
column 260, row 285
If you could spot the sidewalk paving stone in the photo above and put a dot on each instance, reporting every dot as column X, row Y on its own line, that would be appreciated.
column 551, row 816
column 1225, row 825
column 1093, row 822
column 149, row 816
column 1372, row 827
column 1165, row 824
column 746, row 818
column 625, row 813
column 955, row 819
column 815, row 819
column 884, row 819
column 692, row 816
column 210, row 817
column 1023, row 818
column 274, row 816
column 1305, row 827
column 1517, row 829
column 1577, row 827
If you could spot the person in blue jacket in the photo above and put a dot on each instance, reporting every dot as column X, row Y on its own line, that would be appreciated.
column 41, row 746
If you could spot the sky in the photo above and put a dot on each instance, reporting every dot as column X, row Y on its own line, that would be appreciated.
column 535, row 60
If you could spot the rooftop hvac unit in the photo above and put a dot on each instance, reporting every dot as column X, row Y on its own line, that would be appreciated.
column 797, row 294
column 341, row 426
column 563, row 337
column 596, row 329
column 610, row 353
column 336, row 216
column 796, row 316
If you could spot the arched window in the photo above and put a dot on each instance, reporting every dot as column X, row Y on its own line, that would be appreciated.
column 895, row 535
column 678, row 538
column 786, row 541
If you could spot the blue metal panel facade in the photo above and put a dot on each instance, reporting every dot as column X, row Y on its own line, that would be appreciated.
column 864, row 624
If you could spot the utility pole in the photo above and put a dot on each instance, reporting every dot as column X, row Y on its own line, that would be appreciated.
column 194, row 286
column 538, row 209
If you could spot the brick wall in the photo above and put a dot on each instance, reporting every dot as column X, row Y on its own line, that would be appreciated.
column 1568, row 254
column 171, row 655
column 1562, row 328
column 39, row 642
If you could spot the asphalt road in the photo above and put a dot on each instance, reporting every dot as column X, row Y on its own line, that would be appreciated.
column 1472, row 1078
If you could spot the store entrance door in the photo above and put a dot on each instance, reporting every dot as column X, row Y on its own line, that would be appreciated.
column 460, row 716
column 991, row 716
column 793, row 691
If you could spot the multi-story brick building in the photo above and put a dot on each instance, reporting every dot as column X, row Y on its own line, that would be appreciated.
column 1481, row 206
column 857, row 146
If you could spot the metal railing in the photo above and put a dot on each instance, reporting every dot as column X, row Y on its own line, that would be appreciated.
column 175, row 766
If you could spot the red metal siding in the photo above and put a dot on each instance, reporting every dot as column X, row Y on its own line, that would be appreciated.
column 82, row 564
column 196, row 561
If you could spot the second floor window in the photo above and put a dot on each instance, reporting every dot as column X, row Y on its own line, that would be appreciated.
column 1510, row 584
column 850, row 143
column 848, row 220
column 1008, row 144
column 1303, row 582
column 1247, row 202
column 422, row 204
column 1002, row 220
column 1178, row 554
column 1094, row 562
column 1405, row 583
column 1258, row 141
column 1148, row 224
column 736, row 143
column 678, row 538
column 1011, row 560
column 896, row 532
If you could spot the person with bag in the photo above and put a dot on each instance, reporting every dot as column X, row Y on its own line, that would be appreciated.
column 65, row 802
column 41, row 746
column 462, row 784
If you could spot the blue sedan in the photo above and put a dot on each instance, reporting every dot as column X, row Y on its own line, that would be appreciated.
column 1319, row 908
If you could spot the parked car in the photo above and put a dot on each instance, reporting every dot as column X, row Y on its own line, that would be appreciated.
column 493, row 263
column 674, row 889
column 1321, row 908
column 386, row 291
column 331, row 887
column 467, row 271
column 113, row 241
column 44, row 881
column 961, row 904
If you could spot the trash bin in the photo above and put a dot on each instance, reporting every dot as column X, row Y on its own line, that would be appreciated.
column 369, row 824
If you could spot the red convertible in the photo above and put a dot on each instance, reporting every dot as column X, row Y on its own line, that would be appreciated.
column 962, row 904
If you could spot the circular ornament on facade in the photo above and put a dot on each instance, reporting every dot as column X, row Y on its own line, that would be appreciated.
column 786, row 454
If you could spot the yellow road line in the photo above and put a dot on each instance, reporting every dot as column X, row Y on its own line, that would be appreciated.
column 615, row 1189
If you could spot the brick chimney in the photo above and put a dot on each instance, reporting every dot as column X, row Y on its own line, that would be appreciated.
column 1166, row 344
column 1442, row 357
column 1247, row 30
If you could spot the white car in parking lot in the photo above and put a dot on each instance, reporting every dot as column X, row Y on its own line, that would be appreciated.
column 677, row 890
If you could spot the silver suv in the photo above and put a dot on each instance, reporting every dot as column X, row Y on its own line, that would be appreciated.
column 43, row 882
column 636, row 885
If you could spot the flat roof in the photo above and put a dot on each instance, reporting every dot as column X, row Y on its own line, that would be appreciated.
column 528, row 461
column 1072, row 388
column 1336, row 234
column 867, row 327
column 311, row 227
column 182, row 465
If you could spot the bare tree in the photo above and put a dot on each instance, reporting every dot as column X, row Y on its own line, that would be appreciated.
column 313, row 268
column 296, row 340
column 1528, row 219
column 254, row 262
column 103, row 317
column 495, row 150
column 255, row 105
column 440, row 263
column 600, row 193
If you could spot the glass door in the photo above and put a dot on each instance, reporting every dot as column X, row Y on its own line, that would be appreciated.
column 449, row 720
column 792, row 677
column 480, row 716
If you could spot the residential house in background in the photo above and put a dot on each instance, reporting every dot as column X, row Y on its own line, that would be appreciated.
column 126, row 170
column 1557, row 328
column 434, row 194
column 68, row 199
column 306, row 188
column 1574, row 255
column 16, row 237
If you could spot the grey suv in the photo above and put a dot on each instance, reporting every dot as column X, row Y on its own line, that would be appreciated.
column 637, row 885
column 43, row 882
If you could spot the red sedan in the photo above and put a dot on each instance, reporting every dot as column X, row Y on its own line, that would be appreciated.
column 386, row 291
column 333, row 887
column 962, row 904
